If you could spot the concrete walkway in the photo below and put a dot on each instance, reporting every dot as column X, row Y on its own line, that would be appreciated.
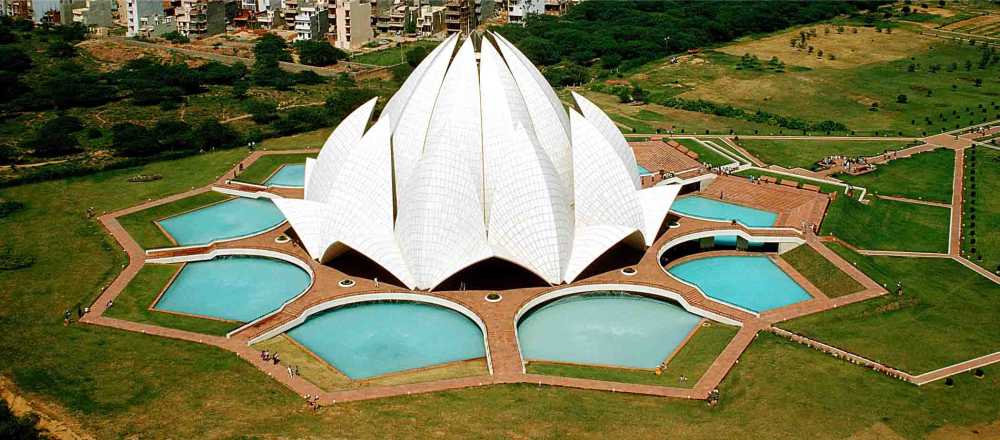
column 915, row 201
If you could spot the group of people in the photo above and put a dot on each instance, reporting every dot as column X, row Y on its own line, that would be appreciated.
column 272, row 357
column 312, row 401
column 68, row 314
column 852, row 164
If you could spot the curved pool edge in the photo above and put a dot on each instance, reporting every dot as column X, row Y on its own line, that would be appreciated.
column 374, row 297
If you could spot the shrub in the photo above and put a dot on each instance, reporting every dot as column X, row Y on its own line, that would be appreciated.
column 318, row 53
column 10, row 260
column 132, row 140
column 8, row 207
column 176, row 37
column 261, row 111
column 415, row 55
column 61, row 49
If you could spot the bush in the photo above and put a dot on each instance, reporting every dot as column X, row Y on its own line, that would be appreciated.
column 133, row 140
column 343, row 101
column 176, row 37
column 8, row 207
column 415, row 55
column 10, row 260
column 14, row 60
column 400, row 72
column 211, row 134
column 218, row 73
column 55, row 137
column 61, row 49
column 173, row 135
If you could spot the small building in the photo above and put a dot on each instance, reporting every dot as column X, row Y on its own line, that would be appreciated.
column 353, row 24
column 94, row 13
column 518, row 10
column 312, row 22
column 16, row 8
column 145, row 16
column 460, row 16
column 430, row 21
column 556, row 7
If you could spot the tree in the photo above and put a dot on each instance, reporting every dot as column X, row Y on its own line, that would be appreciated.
column 61, row 49
column 318, row 53
column 400, row 72
column 173, row 135
column 901, row 99
column 211, row 134
column 55, row 137
column 132, row 140
column 261, row 111
column 410, row 23
column 176, row 37
column 415, row 55
column 14, row 60
column 540, row 51
column 240, row 90
column 343, row 101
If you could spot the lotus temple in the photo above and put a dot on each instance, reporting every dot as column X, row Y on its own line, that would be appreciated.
column 478, row 229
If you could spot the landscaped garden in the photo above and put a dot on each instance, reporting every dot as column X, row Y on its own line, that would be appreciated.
column 924, row 176
column 821, row 272
column 704, row 153
column 888, row 225
column 981, row 215
column 945, row 314
column 805, row 153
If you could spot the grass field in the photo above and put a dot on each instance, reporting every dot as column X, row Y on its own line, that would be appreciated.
column 821, row 272
column 986, row 183
column 134, row 302
column 704, row 154
column 122, row 384
column 805, row 153
column 888, row 225
column 309, row 139
column 691, row 362
column 842, row 90
column 823, row 187
column 391, row 56
column 924, row 176
column 140, row 225
column 265, row 166
column 946, row 314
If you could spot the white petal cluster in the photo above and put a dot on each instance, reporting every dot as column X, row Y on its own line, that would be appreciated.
column 476, row 159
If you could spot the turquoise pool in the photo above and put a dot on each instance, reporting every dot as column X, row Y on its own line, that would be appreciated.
column 230, row 219
column 610, row 329
column 234, row 288
column 375, row 338
column 642, row 170
column 717, row 210
column 291, row 175
column 751, row 282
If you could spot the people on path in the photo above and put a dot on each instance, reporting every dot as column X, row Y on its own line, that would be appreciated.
column 66, row 317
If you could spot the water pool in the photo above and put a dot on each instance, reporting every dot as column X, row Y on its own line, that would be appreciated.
column 718, row 210
column 291, row 175
column 642, row 170
column 751, row 282
column 234, row 288
column 605, row 329
column 371, row 339
column 230, row 219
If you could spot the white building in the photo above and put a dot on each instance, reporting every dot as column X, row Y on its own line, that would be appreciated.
column 311, row 22
column 144, row 15
column 354, row 23
column 517, row 10
column 468, row 163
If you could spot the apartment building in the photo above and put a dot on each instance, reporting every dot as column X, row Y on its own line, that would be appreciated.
column 15, row 8
column 312, row 22
column 518, row 10
column 94, row 13
column 354, row 27
column 145, row 17
column 556, row 7
column 394, row 20
column 460, row 16
column 430, row 21
column 201, row 18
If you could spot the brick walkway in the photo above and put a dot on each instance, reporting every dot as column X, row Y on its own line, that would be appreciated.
column 793, row 205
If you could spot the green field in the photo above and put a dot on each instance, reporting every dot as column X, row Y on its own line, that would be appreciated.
column 705, row 154
column 140, row 225
column 265, row 166
column 691, row 362
column 134, row 302
column 987, row 205
column 123, row 384
column 888, row 225
column 821, row 272
column 924, row 176
column 823, row 187
column 805, row 153
column 945, row 315
column 391, row 56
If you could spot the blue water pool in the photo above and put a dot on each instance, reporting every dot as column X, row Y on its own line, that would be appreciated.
column 643, row 170
column 751, row 282
column 717, row 210
column 372, row 339
column 230, row 219
column 234, row 288
column 605, row 329
column 292, row 175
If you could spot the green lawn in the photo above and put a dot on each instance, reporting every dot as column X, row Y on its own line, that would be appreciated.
column 134, row 302
column 309, row 139
column 986, row 163
column 704, row 153
column 120, row 384
column 265, row 166
column 947, row 314
column 925, row 176
column 821, row 272
column 691, row 362
column 888, row 225
column 805, row 153
column 391, row 56
column 140, row 225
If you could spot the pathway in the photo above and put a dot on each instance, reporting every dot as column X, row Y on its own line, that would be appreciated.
column 248, row 115
column 915, row 201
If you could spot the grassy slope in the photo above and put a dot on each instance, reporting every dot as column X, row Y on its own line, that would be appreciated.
column 888, row 225
column 987, row 204
column 141, row 227
column 265, row 166
column 704, row 154
column 925, row 176
column 821, row 272
column 133, row 303
column 805, row 153
column 126, row 384
column 390, row 56
column 692, row 361
column 309, row 139
column 946, row 314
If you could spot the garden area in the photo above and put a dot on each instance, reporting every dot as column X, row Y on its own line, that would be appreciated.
column 888, row 225
column 799, row 153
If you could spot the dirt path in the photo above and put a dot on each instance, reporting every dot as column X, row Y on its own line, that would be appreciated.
column 248, row 115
